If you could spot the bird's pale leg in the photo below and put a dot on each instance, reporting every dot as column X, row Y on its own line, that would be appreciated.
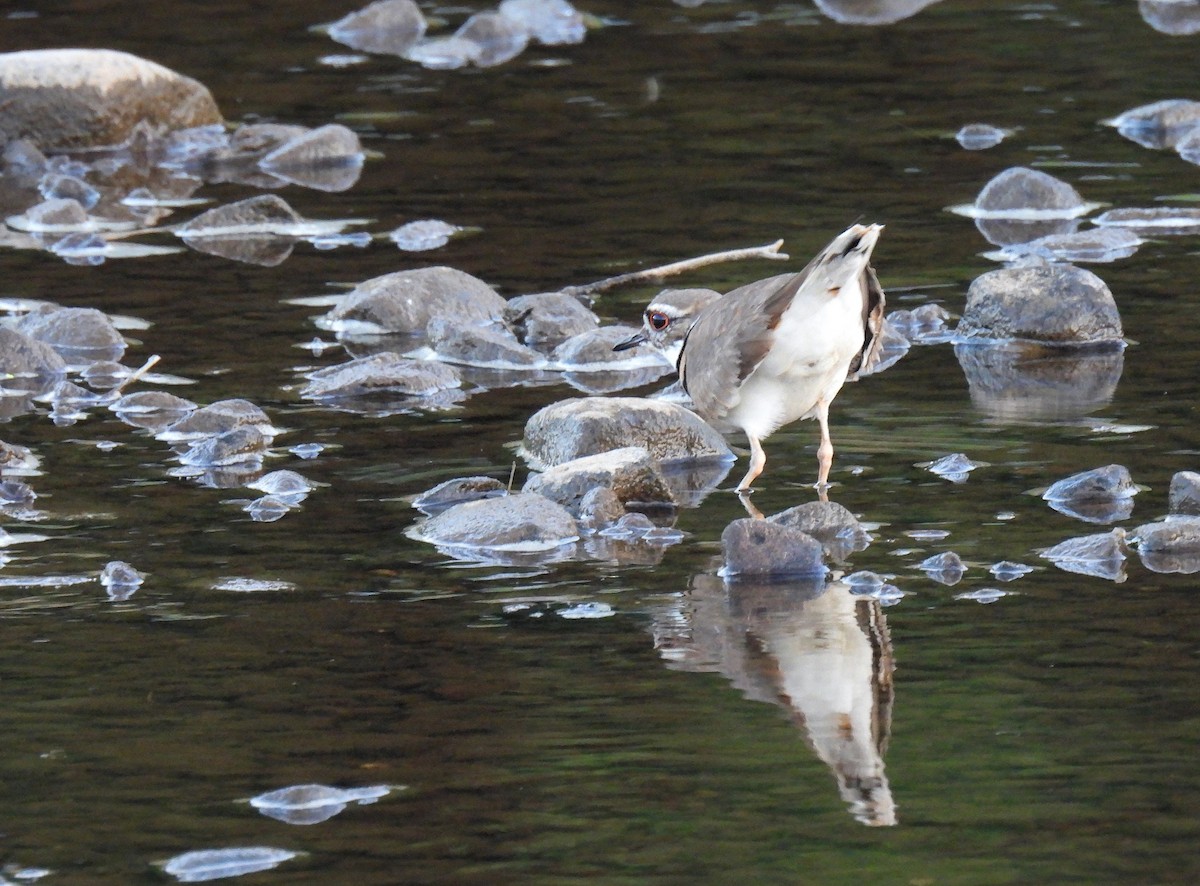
column 758, row 458
column 824, row 450
column 755, row 513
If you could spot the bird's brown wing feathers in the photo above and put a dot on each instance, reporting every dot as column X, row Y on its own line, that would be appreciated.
column 734, row 336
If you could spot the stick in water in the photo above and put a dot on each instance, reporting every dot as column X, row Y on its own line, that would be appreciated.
column 134, row 376
column 770, row 251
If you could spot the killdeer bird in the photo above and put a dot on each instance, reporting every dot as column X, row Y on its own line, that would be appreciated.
column 780, row 349
column 667, row 320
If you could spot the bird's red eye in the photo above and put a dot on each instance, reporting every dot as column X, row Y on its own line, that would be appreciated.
column 658, row 320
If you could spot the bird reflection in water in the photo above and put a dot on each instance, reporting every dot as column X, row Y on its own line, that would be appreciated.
column 811, row 647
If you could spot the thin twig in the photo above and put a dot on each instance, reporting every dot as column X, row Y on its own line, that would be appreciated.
column 770, row 251
column 134, row 376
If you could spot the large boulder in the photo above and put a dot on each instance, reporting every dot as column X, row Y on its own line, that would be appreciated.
column 760, row 548
column 582, row 426
column 1057, row 304
column 73, row 99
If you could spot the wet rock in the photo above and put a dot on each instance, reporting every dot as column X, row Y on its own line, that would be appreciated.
column 14, row 492
column 152, row 410
column 577, row 427
column 525, row 522
column 500, row 39
column 288, row 485
column 70, row 99
column 261, row 214
column 838, row 530
column 921, row 326
column 1007, row 570
column 17, row 460
column 1154, row 221
column 1175, row 17
column 548, row 317
column 1188, row 147
column 30, row 365
column 306, row 804
column 120, row 580
column 405, row 302
column 328, row 158
column 389, row 27
column 593, row 349
column 1105, row 244
column 599, row 507
column 239, row 446
column 214, row 864
column 385, row 373
column 269, row 508
column 217, row 418
column 1059, row 304
column 1101, row 555
column 21, row 156
column 456, row 491
column 630, row 472
column 492, row 347
column 1029, row 382
column 1102, row 495
column 1184, row 496
column 945, row 568
column 1160, row 124
column 980, row 136
column 423, row 235
column 80, row 335
column 1172, row 545
column 1019, row 190
column 54, row 186
column 871, row 12
column 58, row 214
column 955, row 467
column 1006, row 232
column 444, row 53
column 759, row 548
column 550, row 22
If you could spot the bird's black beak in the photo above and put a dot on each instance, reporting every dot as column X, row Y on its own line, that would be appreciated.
column 631, row 342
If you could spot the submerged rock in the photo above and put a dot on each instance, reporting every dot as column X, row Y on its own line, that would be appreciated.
column 120, row 580
column 490, row 347
column 630, row 473
column 760, row 548
column 548, row 317
column 945, row 568
column 1172, row 545
column 239, row 446
column 925, row 325
column 1106, row 244
column 385, row 373
column 328, row 158
column 214, row 864
column 152, row 410
column 72, row 99
column 1153, row 221
column 835, row 527
column 389, row 27
column 955, row 467
column 521, row 523
column 980, row 136
column 217, row 418
column 1102, row 495
column 261, row 214
column 405, row 302
column 32, row 365
column 423, row 235
column 550, row 22
column 500, row 39
column 1175, row 17
column 599, row 507
column 306, row 804
column 871, row 12
column 594, row 349
column 1160, row 124
column 1059, row 304
column 1101, row 555
column 78, row 334
column 577, row 427
column 1020, row 191
column 457, row 491
column 55, row 215
column 1184, row 497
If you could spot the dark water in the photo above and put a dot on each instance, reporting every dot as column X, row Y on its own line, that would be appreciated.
column 1047, row 737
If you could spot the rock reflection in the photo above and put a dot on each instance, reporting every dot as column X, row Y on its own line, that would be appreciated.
column 1024, row 381
column 871, row 12
column 1175, row 17
column 816, row 650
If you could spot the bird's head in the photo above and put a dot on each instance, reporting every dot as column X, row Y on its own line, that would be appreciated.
column 667, row 319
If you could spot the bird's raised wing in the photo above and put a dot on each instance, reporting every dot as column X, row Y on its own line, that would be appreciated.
column 873, row 304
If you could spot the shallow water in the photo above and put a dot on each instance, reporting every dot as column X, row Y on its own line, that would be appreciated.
column 1048, row 736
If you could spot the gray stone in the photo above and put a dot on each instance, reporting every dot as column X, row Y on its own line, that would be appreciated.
column 1059, row 304
column 389, row 27
column 1179, row 535
column 550, row 22
column 75, row 332
column 217, row 418
column 1178, row 18
column 1160, row 124
column 383, row 373
column 26, row 358
column 1098, row 484
column 1155, row 220
column 980, row 136
column 240, row 445
column 594, row 348
column 945, row 568
column 1105, row 244
column 522, row 522
column 328, row 145
column 405, row 301
column 871, row 12
column 599, row 507
column 457, row 491
column 582, row 426
column 70, row 99
column 838, row 530
column 1184, row 496
column 1101, row 555
column 548, row 317
column 57, row 214
column 630, row 472
column 758, row 548
column 1019, row 189
column 491, row 347
column 499, row 39
column 264, row 213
